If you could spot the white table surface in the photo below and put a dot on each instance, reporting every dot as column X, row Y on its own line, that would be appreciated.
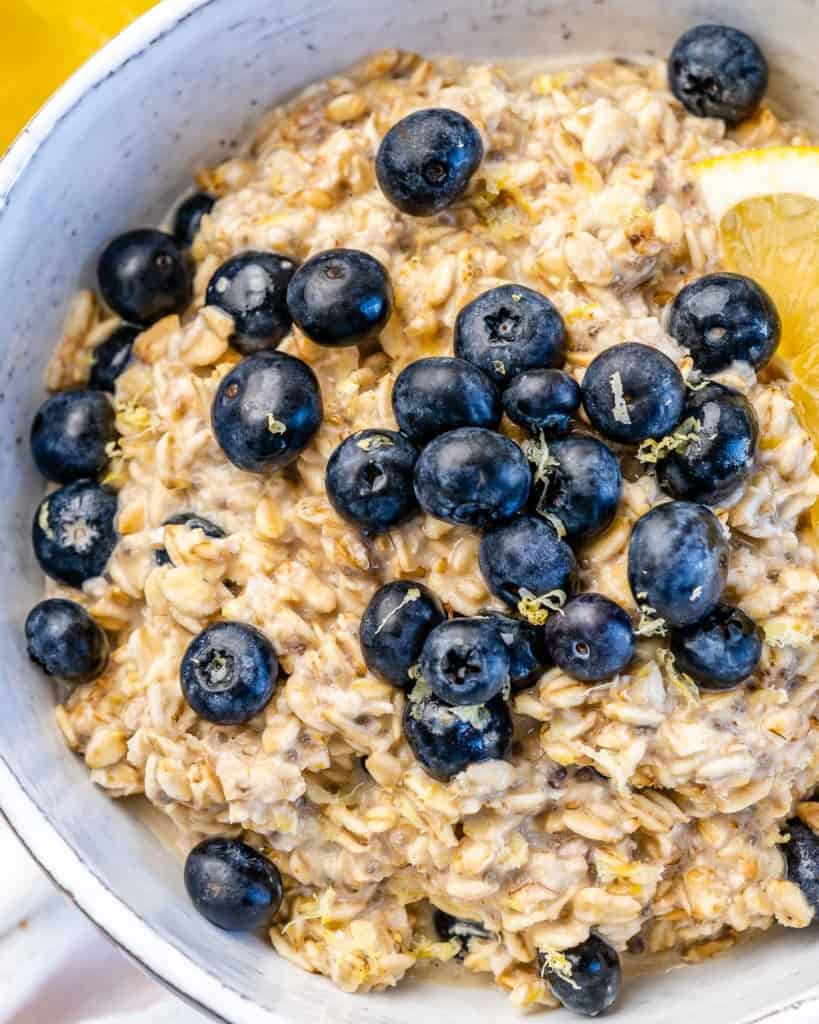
column 57, row 968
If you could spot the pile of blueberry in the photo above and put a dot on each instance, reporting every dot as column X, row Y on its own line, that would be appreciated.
column 143, row 276
column 265, row 412
column 535, row 505
column 450, row 461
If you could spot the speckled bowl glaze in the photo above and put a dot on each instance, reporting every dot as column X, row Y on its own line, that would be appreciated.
column 110, row 151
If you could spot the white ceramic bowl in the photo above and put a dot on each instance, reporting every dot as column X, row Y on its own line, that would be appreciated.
column 109, row 152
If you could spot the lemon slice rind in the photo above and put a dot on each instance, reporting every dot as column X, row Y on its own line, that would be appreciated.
column 726, row 181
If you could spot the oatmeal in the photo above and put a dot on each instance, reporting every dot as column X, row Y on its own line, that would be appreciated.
column 633, row 805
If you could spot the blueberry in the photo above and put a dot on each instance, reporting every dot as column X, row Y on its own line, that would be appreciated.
column 229, row 673
column 632, row 392
column 397, row 621
column 252, row 288
column 721, row 650
column 266, row 411
column 111, row 357
column 369, row 479
column 716, row 71
column 426, row 160
column 591, row 638
column 589, row 978
column 583, row 488
column 69, row 435
column 528, row 659
column 192, row 522
column 802, row 859
column 542, row 401
column 525, row 554
column 73, row 532
column 63, row 639
column 188, row 217
column 435, row 395
column 144, row 275
column 340, row 297
column 232, row 885
column 446, row 740
column 449, row 928
column 510, row 329
column 723, row 317
column 716, row 462
column 678, row 561
column 464, row 661
column 472, row 476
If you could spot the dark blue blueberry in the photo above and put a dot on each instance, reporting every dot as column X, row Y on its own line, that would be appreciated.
column 111, row 357
column 678, row 561
column 591, row 638
column 435, row 395
column 590, row 983
column 425, row 162
column 632, row 392
column 397, row 621
column 528, row 659
column 232, row 885
column 266, row 411
column 229, row 673
column 542, row 401
column 143, row 275
column 583, row 489
column 464, row 661
column 472, row 476
column 64, row 640
column 446, row 740
column 449, row 928
column 340, row 297
column 188, row 217
column 525, row 554
column 721, row 650
column 510, row 329
column 193, row 522
column 716, row 71
column 369, row 479
column 716, row 462
column 802, row 859
column 73, row 532
column 252, row 288
column 723, row 317
column 69, row 435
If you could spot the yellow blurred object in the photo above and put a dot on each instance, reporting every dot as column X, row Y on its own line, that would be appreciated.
column 43, row 41
column 767, row 204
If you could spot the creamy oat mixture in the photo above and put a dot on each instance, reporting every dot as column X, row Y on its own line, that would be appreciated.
column 640, row 808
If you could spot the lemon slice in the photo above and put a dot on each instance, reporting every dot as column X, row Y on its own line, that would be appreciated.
column 766, row 202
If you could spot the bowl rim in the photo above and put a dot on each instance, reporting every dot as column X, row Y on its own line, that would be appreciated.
column 158, row 956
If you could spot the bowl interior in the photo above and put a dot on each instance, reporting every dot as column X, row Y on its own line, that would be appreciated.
column 175, row 92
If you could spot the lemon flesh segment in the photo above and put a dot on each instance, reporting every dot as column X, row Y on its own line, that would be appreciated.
column 775, row 240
